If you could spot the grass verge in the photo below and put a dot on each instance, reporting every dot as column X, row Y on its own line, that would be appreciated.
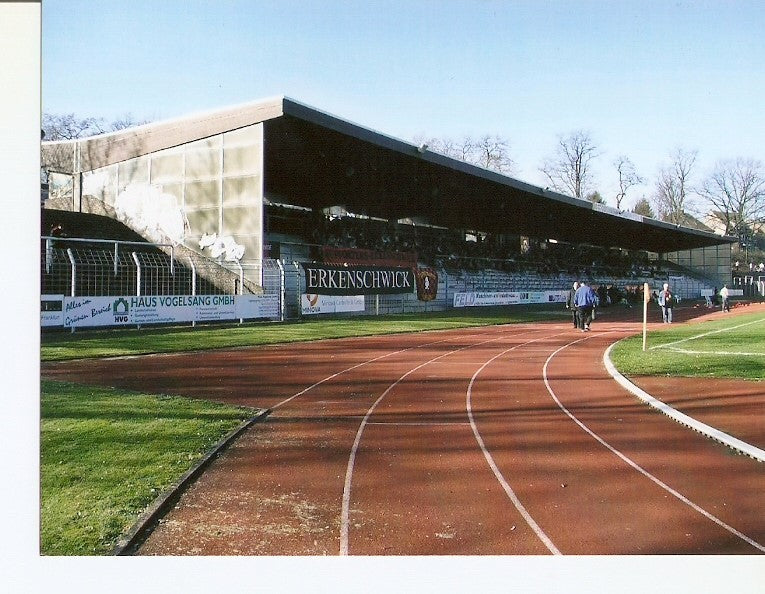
column 730, row 347
column 122, row 342
column 107, row 454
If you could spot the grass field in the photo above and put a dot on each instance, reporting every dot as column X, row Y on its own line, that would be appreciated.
column 60, row 346
column 106, row 454
column 729, row 347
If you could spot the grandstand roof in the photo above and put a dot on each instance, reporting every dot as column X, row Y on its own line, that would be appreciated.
column 316, row 160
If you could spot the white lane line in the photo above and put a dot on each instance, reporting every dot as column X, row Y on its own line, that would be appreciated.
column 636, row 466
column 346, row 505
column 718, row 331
column 404, row 424
column 726, row 353
column 334, row 375
column 490, row 459
column 682, row 418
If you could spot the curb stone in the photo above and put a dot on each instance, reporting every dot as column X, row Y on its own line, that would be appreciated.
column 715, row 434
column 129, row 542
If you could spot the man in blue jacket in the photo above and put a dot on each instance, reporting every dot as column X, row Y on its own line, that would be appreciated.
column 585, row 300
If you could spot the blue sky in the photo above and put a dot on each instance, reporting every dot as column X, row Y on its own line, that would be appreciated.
column 643, row 78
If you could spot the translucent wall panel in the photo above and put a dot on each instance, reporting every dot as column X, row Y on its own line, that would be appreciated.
column 251, row 245
column 203, row 221
column 212, row 143
column 713, row 261
column 134, row 171
column 248, row 136
column 101, row 184
column 166, row 167
column 217, row 183
column 174, row 190
column 241, row 191
column 240, row 220
column 202, row 194
column 203, row 164
column 60, row 185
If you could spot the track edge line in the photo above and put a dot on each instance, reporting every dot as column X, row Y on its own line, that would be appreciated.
column 131, row 541
column 715, row 434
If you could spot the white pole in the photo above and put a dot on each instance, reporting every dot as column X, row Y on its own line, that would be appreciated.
column 646, row 299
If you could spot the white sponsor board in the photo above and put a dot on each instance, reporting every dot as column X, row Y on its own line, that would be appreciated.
column 731, row 292
column 51, row 310
column 484, row 299
column 257, row 306
column 162, row 309
column 311, row 303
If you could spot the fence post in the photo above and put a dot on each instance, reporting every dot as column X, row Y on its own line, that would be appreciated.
column 48, row 255
column 241, row 278
column 138, row 274
column 74, row 271
column 282, row 290
column 193, row 284
column 193, row 277
column 299, row 289
column 74, row 274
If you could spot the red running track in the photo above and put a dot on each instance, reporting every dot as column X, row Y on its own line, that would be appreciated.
column 507, row 440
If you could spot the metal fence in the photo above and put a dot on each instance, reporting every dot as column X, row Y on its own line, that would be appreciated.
column 78, row 267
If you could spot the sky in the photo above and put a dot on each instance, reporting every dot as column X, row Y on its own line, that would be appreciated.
column 642, row 78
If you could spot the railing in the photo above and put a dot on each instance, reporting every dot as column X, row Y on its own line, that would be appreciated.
column 76, row 266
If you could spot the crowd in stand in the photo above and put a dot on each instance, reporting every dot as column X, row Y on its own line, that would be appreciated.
column 454, row 250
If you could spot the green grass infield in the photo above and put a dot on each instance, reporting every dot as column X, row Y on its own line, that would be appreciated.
column 728, row 347
column 106, row 454
column 105, row 343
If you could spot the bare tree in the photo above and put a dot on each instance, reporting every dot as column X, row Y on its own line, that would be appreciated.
column 735, row 189
column 493, row 152
column 569, row 170
column 69, row 126
column 125, row 121
column 489, row 152
column 672, row 195
column 628, row 178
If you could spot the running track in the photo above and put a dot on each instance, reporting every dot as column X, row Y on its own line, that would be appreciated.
column 506, row 440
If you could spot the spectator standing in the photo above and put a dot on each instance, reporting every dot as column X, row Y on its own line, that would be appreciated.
column 570, row 305
column 665, row 300
column 724, row 298
column 585, row 300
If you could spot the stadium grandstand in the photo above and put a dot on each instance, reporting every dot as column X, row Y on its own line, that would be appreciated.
column 239, row 200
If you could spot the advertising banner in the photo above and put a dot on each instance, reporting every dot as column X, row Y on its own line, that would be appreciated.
column 51, row 310
column 485, row 299
column 163, row 309
column 257, row 306
column 322, row 304
column 330, row 279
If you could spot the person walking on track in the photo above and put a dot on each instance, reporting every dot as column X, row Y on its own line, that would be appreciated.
column 665, row 300
column 570, row 305
column 585, row 301
column 724, row 298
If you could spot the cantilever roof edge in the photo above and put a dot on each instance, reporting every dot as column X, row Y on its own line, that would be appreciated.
column 98, row 151
column 86, row 154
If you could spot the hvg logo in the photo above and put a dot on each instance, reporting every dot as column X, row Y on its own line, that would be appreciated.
column 120, row 308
